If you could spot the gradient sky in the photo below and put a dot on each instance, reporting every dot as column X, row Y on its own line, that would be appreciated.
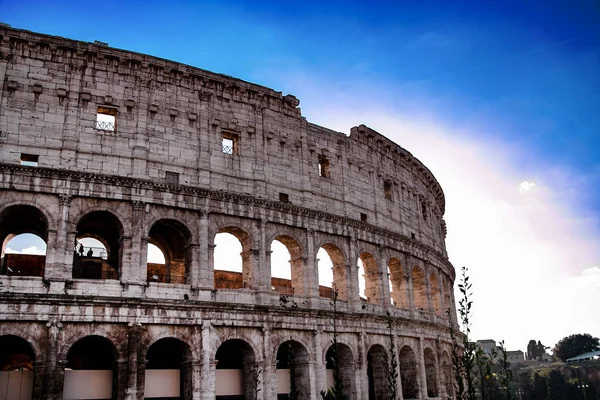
column 500, row 99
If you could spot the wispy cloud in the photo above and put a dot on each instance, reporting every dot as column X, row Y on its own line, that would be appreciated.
column 28, row 250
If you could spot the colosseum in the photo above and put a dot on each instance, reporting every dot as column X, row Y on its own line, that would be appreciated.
column 107, row 153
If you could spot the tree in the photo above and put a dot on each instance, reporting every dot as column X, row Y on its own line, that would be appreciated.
column 540, row 387
column 557, row 386
column 531, row 350
column 575, row 345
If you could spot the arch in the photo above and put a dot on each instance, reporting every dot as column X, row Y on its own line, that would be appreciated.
column 168, row 369
column 295, row 285
column 174, row 240
column 16, row 366
column 436, row 295
column 292, row 364
column 235, row 280
column 339, row 363
column 377, row 372
column 91, row 358
column 398, row 280
column 98, row 263
column 339, row 269
column 373, row 285
column 16, row 220
column 430, row 372
column 446, row 374
column 408, row 373
column 419, row 289
column 237, row 372
column 448, row 302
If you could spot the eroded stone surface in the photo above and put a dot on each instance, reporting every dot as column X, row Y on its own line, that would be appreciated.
column 161, row 174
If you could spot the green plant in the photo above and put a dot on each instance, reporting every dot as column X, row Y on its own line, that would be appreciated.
column 337, row 391
column 392, row 363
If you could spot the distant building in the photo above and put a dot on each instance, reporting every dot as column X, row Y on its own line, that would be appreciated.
column 515, row 356
column 591, row 355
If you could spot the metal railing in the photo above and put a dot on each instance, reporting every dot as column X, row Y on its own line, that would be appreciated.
column 88, row 251
column 104, row 126
column 227, row 149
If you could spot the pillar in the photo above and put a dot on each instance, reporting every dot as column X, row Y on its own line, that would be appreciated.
column 311, row 274
column 319, row 365
column 422, row 372
column 385, row 278
column 122, row 379
column 207, row 364
column 133, row 267
column 205, row 255
column 38, row 380
column 141, row 378
column 361, row 376
column 59, row 260
column 133, row 339
column 352, row 280
column 269, row 376
column 51, row 349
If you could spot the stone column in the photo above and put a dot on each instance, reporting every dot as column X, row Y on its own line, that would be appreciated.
column 195, row 367
column 422, row 372
column 59, row 261
column 133, row 266
column 438, row 369
column 311, row 274
column 385, row 278
column 263, row 267
column 398, row 371
column 207, row 364
column 361, row 377
column 269, row 389
column 51, row 356
column 319, row 365
column 122, row 380
column 133, row 339
column 205, row 256
column 141, row 378
column 352, row 279
column 38, row 380
column 59, row 380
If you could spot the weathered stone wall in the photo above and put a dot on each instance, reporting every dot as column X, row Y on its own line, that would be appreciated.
column 162, row 177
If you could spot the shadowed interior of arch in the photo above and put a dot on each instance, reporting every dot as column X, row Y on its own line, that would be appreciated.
column 172, row 239
column 408, row 373
column 236, row 371
column 168, row 371
column 292, row 368
column 341, row 361
column 16, row 367
column 377, row 372
column 103, row 260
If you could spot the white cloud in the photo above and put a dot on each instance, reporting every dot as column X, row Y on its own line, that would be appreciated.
column 29, row 250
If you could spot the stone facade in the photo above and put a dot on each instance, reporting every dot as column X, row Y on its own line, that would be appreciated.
column 187, row 154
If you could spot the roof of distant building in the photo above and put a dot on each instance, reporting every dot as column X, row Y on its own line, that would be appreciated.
column 585, row 356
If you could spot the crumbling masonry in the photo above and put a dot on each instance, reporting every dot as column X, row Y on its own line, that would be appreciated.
column 131, row 149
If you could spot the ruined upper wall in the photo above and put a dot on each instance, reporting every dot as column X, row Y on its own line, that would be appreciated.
column 170, row 123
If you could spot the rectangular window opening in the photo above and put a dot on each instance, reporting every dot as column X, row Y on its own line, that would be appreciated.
column 387, row 190
column 412, row 235
column 106, row 119
column 29, row 160
column 324, row 169
column 284, row 198
column 363, row 217
column 230, row 143
column 424, row 210
column 172, row 177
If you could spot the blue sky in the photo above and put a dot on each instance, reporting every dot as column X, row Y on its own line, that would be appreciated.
column 497, row 92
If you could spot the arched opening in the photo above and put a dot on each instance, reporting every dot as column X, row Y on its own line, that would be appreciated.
column 173, row 239
column 287, row 267
column 91, row 370
column 377, row 372
column 99, row 258
column 448, row 299
column 293, row 380
column 232, row 258
column 430, row 373
column 419, row 289
column 23, row 235
column 331, row 265
column 339, row 363
column 362, row 281
column 398, row 280
column 237, row 374
column 373, row 288
column 408, row 373
column 16, row 368
column 436, row 295
column 446, row 366
column 168, row 370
